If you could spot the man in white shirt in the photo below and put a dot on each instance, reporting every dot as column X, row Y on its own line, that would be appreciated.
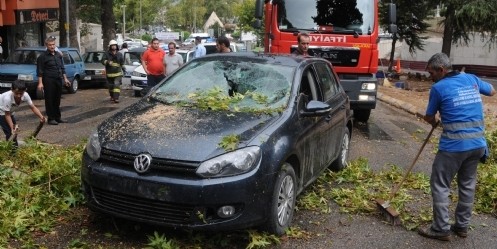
column 10, row 101
column 199, row 48
column 172, row 60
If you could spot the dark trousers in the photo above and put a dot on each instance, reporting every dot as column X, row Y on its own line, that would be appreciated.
column 153, row 80
column 114, row 87
column 6, row 128
column 53, row 91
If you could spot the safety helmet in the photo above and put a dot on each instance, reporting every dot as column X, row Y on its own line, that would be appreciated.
column 112, row 42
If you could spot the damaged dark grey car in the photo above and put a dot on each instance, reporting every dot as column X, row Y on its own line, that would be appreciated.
column 226, row 142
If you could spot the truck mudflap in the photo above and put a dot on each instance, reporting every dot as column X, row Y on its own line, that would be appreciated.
column 362, row 96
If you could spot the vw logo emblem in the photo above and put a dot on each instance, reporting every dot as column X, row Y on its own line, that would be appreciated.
column 142, row 163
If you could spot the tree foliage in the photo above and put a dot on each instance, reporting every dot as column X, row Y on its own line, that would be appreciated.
column 411, row 23
column 245, row 10
column 464, row 19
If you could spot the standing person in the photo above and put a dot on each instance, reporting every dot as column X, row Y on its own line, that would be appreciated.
column 303, row 41
column 199, row 48
column 124, row 48
column 9, row 102
column 172, row 60
column 114, row 63
column 223, row 44
column 456, row 97
column 51, row 76
column 154, row 67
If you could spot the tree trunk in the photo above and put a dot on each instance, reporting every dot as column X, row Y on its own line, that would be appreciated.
column 73, row 25
column 392, row 53
column 448, row 30
column 62, row 22
column 108, row 22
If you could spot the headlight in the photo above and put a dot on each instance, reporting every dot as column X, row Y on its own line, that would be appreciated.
column 232, row 163
column 26, row 77
column 368, row 86
column 137, row 74
column 93, row 146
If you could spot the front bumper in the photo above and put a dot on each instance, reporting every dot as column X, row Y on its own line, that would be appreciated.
column 359, row 98
column 175, row 200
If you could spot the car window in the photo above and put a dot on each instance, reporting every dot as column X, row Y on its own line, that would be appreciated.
column 24, row 57
column 94, row 57
column 309, row 85
column 67, row 58
column 255, row 86
column 326, row 80
column 131, row 57
column 75, row 56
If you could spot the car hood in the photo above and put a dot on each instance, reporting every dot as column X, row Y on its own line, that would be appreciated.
column 17, row 69
column 177, row 133
column 94, row 66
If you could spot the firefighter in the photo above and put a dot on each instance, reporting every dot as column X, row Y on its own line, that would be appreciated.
column 114, row 66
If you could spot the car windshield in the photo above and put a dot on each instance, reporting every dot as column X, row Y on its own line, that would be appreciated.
column 94, row 57
column 24, row 57
column 343, row 16
column 229, row 84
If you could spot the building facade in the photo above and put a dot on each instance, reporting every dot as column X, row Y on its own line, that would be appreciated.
column 25, row 22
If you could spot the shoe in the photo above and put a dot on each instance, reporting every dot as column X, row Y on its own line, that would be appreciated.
column 116, row 101
column 428, row 232
column 52, row 122
column 60, row 121
column 459, row 231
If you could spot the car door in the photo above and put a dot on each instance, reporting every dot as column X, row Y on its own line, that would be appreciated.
column 326, row 79
column 69, row 65
column 314, row 140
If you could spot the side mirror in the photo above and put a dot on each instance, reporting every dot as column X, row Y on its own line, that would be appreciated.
column 316, row 108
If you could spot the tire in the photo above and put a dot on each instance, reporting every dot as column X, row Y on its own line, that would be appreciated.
column 341, row 162
column 138, row 93
column 282, row 205
column 73, row 88
column 362, row 115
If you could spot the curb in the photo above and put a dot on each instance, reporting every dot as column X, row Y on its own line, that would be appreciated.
column 401, row 105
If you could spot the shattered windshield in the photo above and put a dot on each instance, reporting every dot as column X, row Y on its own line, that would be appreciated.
column 24, row 57
column 230, row 85
column 340, row 16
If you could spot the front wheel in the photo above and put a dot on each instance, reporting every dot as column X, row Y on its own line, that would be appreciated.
column 73, row 88
column 341, row 161
column 282, row 205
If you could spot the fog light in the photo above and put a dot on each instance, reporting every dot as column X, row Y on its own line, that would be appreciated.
column 366, row 98
column 226, row 211
column 368, row 86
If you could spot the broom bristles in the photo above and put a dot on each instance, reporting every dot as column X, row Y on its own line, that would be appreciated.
column 390, row 214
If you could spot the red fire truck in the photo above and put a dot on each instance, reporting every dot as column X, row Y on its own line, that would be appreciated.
column 343, row 31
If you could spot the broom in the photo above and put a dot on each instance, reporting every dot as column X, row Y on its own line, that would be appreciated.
column 391, row 215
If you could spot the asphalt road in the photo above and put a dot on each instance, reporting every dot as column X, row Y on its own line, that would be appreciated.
column 392, row 136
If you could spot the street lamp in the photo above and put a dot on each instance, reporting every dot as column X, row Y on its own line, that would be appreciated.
column 124, row 19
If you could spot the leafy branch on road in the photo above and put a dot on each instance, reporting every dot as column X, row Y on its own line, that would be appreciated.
column 41, row 183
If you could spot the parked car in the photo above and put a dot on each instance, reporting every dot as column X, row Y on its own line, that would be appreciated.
column 139, row 77
column 227, row 142
column 95, row 70
column 21, row 64
column 132, row 59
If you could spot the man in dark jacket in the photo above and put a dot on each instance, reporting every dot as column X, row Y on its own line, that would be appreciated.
column 51, row 74
column 113, row 61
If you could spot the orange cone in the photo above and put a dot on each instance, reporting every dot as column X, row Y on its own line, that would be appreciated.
column 397, row 67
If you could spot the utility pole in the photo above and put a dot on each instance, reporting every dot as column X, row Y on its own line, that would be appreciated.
column 124, row 19
column 140, row 16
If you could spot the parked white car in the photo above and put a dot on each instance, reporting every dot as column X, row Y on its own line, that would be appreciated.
column 139, row 77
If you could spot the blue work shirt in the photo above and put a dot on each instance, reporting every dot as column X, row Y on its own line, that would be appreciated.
column 457, row 98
